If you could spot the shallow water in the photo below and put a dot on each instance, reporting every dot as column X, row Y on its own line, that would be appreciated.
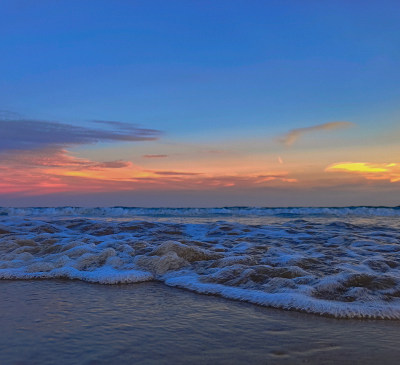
column 64, row 322
column 341, row 262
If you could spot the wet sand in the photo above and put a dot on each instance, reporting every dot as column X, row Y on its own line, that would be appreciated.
column 65, row 322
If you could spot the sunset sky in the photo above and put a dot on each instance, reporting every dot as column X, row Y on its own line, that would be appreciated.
column 199, row 103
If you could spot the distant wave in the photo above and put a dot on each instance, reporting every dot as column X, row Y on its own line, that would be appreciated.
column 365, row 211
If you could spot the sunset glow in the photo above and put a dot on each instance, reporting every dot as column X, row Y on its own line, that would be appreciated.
column 270, row 104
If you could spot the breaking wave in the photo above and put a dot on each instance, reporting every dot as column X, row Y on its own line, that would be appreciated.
column 339, row 267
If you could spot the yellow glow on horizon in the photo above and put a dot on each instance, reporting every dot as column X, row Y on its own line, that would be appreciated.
column 358, row 167
column 370, row 171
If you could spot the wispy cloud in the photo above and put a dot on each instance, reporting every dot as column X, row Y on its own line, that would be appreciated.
column 26, row 134
column 155, row 156
column 293, row 135
column 177, row 173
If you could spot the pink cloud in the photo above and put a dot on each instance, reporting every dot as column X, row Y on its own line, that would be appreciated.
column 51, row 170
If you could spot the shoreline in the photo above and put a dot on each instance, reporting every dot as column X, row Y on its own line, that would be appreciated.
column 67, row 321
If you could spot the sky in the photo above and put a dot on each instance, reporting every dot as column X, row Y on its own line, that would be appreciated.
column 199, row 103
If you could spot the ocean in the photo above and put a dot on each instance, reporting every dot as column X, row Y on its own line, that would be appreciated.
column 332, row 262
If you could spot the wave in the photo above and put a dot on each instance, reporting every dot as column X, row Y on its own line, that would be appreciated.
column 329, row 268
column 360, row 211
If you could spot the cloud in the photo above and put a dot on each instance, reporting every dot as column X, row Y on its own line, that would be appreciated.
column 154, row 156
column 55, row 158
column 176, row 173
column 26, row 134
column 112, row 164
column 52, row 170
column 35, row 160
column 370, row 171
column 292, row 136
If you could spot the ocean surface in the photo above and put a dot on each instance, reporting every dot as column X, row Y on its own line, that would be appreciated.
column 337, row 262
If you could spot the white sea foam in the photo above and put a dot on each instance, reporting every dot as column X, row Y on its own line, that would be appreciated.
column 193, row 212
column 347, row 267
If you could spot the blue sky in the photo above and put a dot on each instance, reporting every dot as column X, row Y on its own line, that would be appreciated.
column 205, row 73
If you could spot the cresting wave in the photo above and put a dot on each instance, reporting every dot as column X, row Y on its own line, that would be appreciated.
column 330, row 267
column 193, row 212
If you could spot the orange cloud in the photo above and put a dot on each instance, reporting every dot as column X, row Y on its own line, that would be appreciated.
column 370, row 171
column 53, row 170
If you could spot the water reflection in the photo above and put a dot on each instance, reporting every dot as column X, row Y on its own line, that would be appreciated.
column 47, row 322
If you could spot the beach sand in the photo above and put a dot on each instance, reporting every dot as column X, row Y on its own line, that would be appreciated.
column 65, row 322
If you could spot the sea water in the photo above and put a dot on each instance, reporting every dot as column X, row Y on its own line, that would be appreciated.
column 46, row 322
column 339, row 262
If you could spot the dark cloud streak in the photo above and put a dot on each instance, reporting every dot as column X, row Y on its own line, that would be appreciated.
column 177, row 173
column 155, row 156
column 26, row 134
